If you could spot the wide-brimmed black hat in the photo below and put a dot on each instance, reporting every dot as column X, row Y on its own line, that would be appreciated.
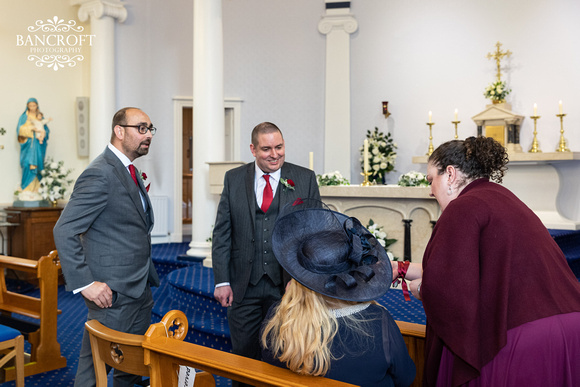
column 330, row 253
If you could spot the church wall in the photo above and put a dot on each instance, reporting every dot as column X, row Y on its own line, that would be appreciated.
column 419, row 56
column 56, row 91
column 430, row 56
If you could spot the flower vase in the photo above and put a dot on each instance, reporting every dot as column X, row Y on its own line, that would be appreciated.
column 54, row 203
column 496, row 101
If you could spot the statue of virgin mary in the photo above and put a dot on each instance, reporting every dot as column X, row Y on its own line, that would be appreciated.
column 32, row 136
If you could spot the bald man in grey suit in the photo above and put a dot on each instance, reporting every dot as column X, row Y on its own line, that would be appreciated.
column 103, row 238
column 248, row 277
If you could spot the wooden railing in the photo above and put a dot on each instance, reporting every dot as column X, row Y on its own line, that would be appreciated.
column 45, row 349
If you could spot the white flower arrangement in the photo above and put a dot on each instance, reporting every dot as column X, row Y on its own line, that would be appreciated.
column 382, row 155
column 413, row 179
column 380, row 235
column 331, row 178
column 496, row 91
column 54, row 182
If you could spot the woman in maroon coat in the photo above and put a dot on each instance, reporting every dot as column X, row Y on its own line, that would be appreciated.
column 502, row 304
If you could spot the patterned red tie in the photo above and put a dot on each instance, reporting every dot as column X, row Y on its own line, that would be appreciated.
column 267, row 196
column 133, row 173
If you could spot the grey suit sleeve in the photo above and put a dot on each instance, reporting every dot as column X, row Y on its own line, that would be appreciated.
column 89, row 198
column 221, row 237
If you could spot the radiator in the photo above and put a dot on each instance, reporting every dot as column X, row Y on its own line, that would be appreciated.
column 160, row 206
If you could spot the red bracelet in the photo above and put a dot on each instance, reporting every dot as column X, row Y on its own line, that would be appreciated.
column 402, row 268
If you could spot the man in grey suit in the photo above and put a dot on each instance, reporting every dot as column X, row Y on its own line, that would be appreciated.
column 103, row 238
column 248, row 277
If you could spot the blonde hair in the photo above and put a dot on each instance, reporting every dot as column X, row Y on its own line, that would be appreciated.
column 302, row 329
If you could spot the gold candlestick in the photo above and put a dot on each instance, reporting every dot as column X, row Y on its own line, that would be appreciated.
column 430, row 138
column 535, row 146
column 366, row 181
column 455, row 123
column 562, row 145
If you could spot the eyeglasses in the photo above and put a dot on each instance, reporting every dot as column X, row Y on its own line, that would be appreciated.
column 143, row 128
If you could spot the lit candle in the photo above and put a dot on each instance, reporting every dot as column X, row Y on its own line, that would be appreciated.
column 366, row 155
column 535, row 109
column 455, row 114
column 430, row 115
column 560, row 104
column 311, row 161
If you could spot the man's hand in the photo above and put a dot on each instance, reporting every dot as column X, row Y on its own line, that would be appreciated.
column 224, row 295
column 100, row 293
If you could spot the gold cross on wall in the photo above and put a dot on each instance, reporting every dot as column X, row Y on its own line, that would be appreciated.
column 497, row 55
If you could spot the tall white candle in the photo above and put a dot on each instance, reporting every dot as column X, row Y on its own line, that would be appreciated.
column 560, row 105
column 535, row 109
column 311, row 160
column 455, row 114
column 430, row 115
column 366, row 155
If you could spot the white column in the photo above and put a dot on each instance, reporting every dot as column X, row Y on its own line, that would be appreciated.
column 102, row 15
column 208, row 117
column 337, row 24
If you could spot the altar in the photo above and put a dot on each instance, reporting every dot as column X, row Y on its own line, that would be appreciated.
column 407, row 214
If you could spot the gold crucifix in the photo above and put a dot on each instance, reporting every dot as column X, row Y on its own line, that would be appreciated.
column 497, row 55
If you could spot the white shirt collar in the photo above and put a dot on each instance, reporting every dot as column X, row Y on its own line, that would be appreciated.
column 275, row 175
column 124, row 159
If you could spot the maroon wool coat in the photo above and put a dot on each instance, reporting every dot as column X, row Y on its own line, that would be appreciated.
column 490, row 265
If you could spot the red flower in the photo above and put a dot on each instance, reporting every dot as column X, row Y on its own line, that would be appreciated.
column 143, row 176
column 291, row 183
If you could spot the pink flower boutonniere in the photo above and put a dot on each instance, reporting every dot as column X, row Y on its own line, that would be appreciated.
column 288, row 183
column 144, row 178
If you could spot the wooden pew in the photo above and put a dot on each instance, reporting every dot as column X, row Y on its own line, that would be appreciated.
column 414, row 336
column 124, row 351
column 45, row 349
column 164, row 354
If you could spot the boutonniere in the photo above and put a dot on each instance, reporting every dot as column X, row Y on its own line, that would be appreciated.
column 144, row 178
column 288, row 183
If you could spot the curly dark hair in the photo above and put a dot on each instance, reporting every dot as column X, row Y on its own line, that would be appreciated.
column 476, row 157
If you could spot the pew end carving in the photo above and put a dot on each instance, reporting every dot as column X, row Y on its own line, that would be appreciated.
column 124, row 351
column 44, row 348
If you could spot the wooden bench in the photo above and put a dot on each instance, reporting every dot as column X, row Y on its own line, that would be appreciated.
column 414, row 336
column 44, row 347
column 164, row 354
column 124, row 351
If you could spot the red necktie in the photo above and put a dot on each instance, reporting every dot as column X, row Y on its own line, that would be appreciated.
column 133, row 173
column 267, row 196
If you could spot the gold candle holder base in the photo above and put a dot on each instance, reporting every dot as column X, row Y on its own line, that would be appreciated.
column 431, row 149
column 455, row 123
column 562, row 146
column 535, row 148
column 366, row 181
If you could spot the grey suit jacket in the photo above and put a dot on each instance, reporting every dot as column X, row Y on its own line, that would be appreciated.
column 104, row 234
column 233, row 233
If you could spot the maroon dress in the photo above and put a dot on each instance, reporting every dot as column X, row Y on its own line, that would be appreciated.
column 496, row 288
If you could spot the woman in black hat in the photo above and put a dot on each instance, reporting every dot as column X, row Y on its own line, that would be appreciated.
column 327, row 323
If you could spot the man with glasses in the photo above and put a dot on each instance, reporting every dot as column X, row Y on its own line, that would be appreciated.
column 103, row 238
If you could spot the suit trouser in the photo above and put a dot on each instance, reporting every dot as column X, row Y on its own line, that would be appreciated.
column 245, row 317
column 130, row 315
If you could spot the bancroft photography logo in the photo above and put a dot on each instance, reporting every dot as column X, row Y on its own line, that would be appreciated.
column 55, row 43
